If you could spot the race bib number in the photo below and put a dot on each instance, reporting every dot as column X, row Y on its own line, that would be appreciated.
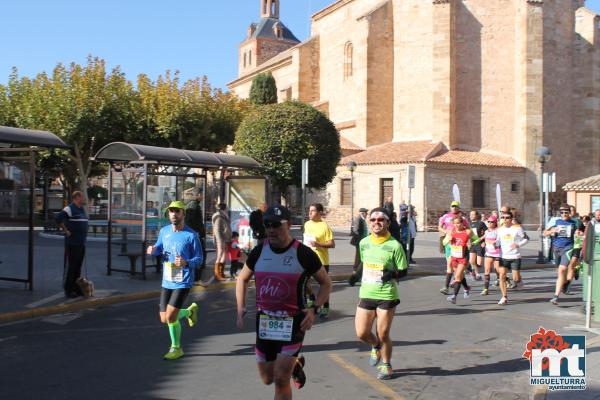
column 307, row 239
column 507, row 240
column 372, row 273
column 457, row 251
column 564, row 231
column 172, row 273
column 274, row 328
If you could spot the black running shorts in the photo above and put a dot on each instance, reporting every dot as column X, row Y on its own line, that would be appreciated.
column 172, row 297
column 372, row 304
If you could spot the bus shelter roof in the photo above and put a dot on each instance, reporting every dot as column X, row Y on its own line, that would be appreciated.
column 129, row 152
column 30, row 137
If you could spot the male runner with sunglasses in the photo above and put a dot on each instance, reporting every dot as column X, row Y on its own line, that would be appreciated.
column 511, row 238
column 281, row 266
column 182, row 254
column 562, row 232
column 384, row 262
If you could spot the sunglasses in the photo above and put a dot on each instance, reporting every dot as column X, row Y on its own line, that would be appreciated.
column 377, row 219
column 272, row 224
column 503, row 217
column 565, row 212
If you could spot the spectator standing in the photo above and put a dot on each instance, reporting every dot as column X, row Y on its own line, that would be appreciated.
column 412, row 228
column 73, row 220
column 222, row 238
column 359, row 231
column 388, row 205
column 194, row 218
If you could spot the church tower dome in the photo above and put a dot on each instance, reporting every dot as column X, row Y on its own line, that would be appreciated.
column 265, row 39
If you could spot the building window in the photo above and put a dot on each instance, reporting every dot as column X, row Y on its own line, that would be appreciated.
column 386, row 190
column 250, row 57
column 480, row 193
column 278, row 30
column 346, row 192
column 595, row 203
column 245, row 55
column 515, row 187
column 348, row 60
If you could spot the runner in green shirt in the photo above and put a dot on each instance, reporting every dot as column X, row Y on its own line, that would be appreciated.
column 384, row 262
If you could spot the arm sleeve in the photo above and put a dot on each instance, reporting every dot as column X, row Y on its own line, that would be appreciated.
column 355, row 226
column 309, row 259
column 522, row 238
column 196, row 259
column 400, row 259
column 62, row 216
column 328, row 234
column 158, row 246
column 253, row 256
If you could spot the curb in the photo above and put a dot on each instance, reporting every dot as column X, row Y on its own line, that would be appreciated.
column 208, row 286
column 96, row 302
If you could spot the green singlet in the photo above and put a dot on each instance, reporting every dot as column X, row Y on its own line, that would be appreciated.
column 378, row 255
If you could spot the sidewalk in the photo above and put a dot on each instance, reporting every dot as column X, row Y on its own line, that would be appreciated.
column 47, row 296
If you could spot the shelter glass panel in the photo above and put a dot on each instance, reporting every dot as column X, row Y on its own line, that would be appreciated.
column 15, row 178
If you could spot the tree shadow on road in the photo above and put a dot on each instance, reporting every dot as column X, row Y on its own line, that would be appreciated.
column 248, row 349
column 457, row 310
column 514, row 365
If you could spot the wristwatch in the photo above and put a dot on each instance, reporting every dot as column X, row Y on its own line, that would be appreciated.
column 315, row 308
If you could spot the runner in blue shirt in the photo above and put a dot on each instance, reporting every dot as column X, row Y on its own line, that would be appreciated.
column 182, row 254
column 562, row 232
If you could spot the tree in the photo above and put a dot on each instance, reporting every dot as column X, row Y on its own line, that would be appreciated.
column 264, row 89
column 89, row 107
column 279, row 136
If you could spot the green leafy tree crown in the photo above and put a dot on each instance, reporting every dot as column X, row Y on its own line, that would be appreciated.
column 279, row 136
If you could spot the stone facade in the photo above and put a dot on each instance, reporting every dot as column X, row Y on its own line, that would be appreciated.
column 493, row 77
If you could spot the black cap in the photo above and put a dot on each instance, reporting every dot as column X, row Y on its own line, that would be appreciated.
column 277, row 213
column 362, row 209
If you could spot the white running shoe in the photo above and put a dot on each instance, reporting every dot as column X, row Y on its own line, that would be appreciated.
column 503, row 301
column 466, row 294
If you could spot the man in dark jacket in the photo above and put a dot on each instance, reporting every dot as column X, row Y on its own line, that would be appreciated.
column 73, row 220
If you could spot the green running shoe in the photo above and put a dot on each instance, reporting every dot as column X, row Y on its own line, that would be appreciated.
column 324, row 313
column 192, row 319
column 174, row 353
column 375, row 356
column 384, row 371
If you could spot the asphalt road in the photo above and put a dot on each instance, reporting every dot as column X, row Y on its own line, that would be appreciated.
column 471, row 350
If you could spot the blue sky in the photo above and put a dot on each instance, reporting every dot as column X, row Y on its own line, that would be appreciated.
column 196, row 37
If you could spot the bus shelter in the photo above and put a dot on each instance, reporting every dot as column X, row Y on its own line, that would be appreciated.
column 18, row 148
column 142, row 181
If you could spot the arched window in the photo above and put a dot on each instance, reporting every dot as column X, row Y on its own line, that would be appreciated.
column 278, row 30
column 348, row 60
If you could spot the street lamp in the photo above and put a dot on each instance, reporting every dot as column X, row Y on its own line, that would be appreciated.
column 351, row 166
column 543, row 156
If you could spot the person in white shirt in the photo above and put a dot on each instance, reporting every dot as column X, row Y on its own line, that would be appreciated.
column 511, row 238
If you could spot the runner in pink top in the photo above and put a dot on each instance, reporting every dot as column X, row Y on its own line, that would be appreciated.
column 445, row 226
column 492, row 252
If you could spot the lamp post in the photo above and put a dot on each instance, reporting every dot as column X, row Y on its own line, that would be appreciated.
column 351, row 165
column 543, row 156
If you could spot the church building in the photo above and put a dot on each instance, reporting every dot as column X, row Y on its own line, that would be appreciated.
column 465, row 91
